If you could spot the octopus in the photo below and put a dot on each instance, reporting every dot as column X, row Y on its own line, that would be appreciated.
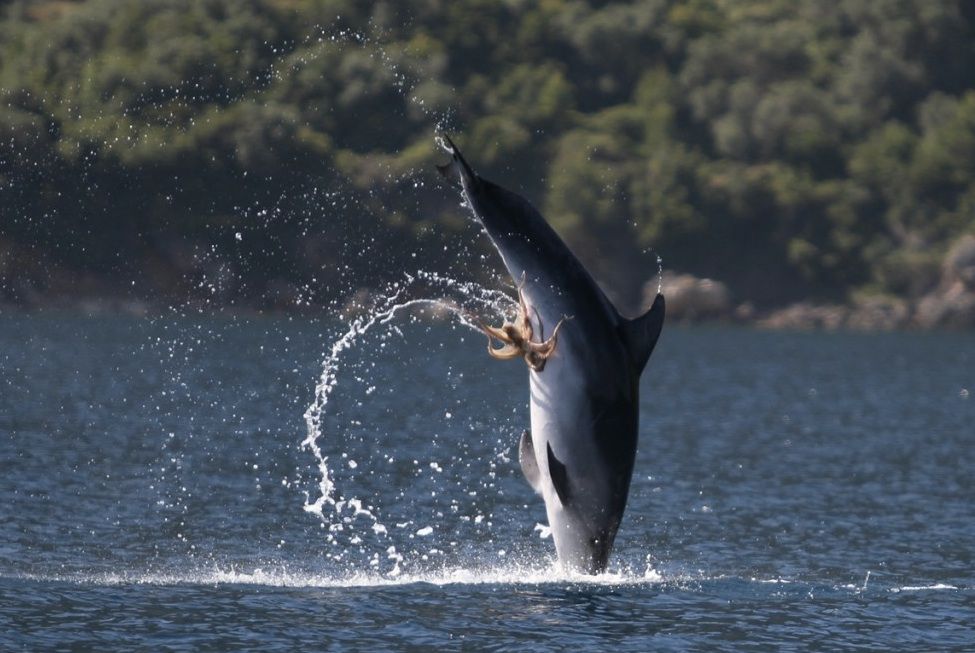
column 516, row 338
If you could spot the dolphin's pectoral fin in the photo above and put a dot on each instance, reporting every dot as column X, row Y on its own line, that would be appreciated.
column 529, row 465
column 559, row 475
column 640, row 335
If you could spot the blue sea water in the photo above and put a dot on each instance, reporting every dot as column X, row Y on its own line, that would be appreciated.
column 792, row 492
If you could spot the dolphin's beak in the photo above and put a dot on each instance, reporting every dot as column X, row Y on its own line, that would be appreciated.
column 457, row 171
column 446, row 137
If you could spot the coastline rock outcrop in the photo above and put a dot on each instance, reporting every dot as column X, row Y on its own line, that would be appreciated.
column 690, row 298
column 952, row 304
column 866, row 314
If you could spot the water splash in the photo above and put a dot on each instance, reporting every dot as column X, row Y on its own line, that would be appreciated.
column 463, row 301
column 660, row 267
column 283, row 575
column 660, row 274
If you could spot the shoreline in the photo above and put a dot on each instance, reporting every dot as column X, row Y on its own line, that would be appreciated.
column 948, row 303
column 872, row 315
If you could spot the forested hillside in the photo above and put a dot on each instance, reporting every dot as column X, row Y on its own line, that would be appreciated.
column 794, row 149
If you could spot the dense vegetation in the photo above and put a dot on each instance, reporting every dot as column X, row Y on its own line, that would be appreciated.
column 792, row 148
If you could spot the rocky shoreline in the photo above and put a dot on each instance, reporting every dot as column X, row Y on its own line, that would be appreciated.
column 950, row 304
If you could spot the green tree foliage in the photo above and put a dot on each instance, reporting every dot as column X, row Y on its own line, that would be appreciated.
column 790, row 148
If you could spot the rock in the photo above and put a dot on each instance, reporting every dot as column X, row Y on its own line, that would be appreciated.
column 879, row 314
column 745, row 312
column 690, row 298
column 959, row 263
column 867, row 314
column 952, row 304
column 805, row 316
column 953, row 308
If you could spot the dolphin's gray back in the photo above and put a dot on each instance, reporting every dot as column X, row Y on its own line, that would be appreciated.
column 530, row 247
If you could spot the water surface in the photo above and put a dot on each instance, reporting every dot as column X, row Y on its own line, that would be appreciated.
column 803, row 491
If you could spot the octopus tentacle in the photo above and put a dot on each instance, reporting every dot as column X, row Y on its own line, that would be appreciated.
column 506, row 353
column 516, row 337
column 534, row 362
column 548, row 346
column 525, row 323
column 495, row 333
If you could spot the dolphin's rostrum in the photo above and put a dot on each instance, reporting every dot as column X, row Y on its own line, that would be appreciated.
column 579, row 452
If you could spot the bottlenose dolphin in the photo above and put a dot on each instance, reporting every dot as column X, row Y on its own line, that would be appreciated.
column 584, row 384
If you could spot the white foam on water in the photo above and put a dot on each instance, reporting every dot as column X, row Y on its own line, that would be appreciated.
column 513, row 574
column 508, row 573
column 923, row 588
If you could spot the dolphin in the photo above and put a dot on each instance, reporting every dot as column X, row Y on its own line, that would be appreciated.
column 579, row 453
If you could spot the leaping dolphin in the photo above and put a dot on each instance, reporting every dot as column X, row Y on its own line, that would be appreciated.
column 585, row 378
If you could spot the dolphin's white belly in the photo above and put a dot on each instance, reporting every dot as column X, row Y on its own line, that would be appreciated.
column 561, row 395
column 560, row 419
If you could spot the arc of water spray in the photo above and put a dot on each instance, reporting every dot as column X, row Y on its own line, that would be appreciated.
column 393, row 304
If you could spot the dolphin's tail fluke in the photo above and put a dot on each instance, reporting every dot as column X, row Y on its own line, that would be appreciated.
column 457, row 170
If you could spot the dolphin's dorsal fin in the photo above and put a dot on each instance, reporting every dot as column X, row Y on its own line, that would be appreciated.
column 560, row 478
column 640, row 335
column 529, row 465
